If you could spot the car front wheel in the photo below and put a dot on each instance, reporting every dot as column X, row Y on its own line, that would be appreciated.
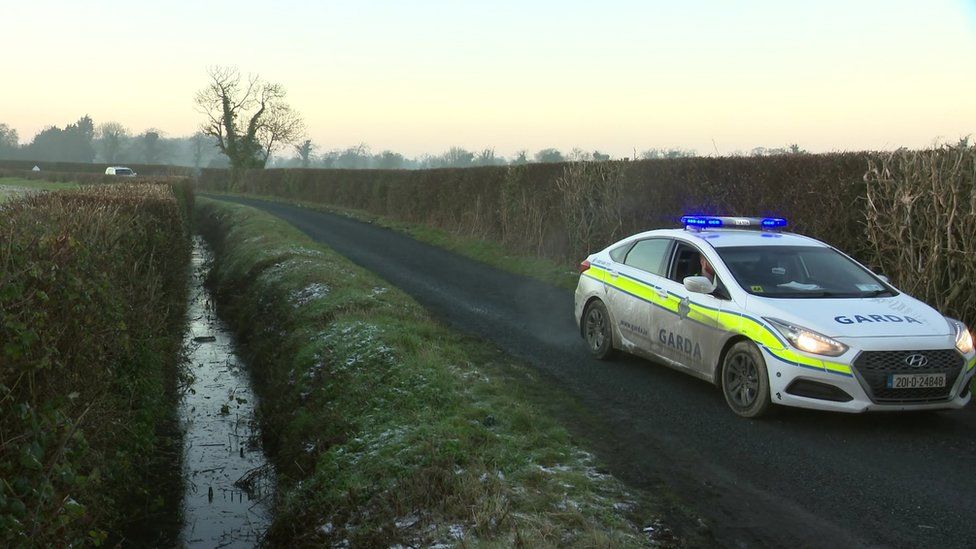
column 745, row 382
column 597, row 331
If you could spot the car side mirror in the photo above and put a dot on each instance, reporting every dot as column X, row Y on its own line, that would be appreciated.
column 884, row 279
column 699, row 285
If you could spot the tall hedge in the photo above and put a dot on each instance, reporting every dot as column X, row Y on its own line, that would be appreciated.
column 92, row 294
column 529, row 207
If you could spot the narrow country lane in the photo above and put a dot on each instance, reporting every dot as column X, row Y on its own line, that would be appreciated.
column 799, row 479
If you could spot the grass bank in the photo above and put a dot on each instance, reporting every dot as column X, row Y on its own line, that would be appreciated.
column 15, row 187
column 388, row 428
column 92, row 293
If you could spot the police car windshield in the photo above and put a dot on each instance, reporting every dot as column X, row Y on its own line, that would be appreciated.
column 799, row 272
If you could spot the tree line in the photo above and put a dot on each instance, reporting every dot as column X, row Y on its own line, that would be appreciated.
column 248, row 124
column 110, row 143
column 113, row 143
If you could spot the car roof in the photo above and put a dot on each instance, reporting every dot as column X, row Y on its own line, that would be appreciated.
column 724, row 238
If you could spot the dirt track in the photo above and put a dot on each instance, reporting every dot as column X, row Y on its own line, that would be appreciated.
column 800, row 479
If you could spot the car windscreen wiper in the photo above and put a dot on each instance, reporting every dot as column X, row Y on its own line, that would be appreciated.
column 811, row 294
column 877, row 293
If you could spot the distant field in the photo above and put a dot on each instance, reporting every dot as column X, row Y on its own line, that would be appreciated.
column 11, row 187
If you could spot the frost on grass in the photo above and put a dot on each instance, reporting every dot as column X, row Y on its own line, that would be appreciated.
column 299, row 250
column 276, row 271
column 356, row 344
column 371, row 445
column 307, row 294
column 406, row 522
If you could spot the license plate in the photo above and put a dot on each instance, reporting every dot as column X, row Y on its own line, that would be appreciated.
column 916, row 381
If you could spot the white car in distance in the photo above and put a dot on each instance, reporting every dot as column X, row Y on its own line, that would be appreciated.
column 121, row 171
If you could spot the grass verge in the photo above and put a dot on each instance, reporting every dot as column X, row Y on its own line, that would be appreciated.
column 471, row 246
column 386, row 427
column 92, row 293
column 14, row 187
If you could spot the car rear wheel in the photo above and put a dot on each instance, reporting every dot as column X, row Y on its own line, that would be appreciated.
column 745, row 382
column 597, row 331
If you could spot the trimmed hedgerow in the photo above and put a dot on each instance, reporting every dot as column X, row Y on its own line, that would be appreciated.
column 538, row 208
column 92, row 294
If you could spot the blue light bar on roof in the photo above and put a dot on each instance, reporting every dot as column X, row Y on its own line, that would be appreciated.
column 715, row 222
column 773, row 222
column 701, row 221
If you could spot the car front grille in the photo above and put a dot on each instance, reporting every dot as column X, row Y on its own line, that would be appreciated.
column 874, row 367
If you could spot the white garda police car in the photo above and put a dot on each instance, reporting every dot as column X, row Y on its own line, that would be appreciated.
column 772, row 318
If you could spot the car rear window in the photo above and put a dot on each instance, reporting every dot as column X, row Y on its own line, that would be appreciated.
column 620, row 252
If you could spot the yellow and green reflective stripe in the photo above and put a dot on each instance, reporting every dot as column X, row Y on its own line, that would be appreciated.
column 636, row 288
column 797, row 359
column 723, row 320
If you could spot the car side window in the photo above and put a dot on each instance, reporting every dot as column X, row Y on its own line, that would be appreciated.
column 686, row 261
column 620, row 252
column 649, row 255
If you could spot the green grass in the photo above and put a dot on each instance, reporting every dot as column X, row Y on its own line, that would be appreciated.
column 13, row 187
column 387, row 427
column 487, row 251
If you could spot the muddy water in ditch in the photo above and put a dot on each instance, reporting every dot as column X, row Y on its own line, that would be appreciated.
column 229, row 483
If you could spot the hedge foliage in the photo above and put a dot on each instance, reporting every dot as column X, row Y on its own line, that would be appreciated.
column 920, row 219
column 915, row 229
column 92, row 296
column 540, row 208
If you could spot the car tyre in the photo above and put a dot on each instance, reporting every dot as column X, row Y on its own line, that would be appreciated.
column 597, row 331
column 745, row 381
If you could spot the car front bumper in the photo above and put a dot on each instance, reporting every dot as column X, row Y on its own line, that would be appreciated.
column 783, row 374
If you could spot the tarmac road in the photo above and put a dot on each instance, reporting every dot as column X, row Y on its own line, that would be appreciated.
column 806, row 479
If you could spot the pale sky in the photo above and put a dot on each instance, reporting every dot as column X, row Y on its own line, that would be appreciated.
column 422, row 76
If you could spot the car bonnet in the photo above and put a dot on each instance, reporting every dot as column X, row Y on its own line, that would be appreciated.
column 898, row 316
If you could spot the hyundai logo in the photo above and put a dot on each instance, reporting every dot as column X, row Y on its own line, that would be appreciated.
column 916, row 360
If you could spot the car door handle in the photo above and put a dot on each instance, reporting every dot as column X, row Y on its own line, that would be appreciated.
column 612, row 273
column 662, row 293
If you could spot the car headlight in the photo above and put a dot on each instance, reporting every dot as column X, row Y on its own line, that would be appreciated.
column 808, row 340
column 964, row 339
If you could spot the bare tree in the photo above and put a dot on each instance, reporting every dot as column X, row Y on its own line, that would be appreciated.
column 248, row 119
column 458, row 157
column 305, row 151
column 112, row 135
column 486, row 158
column 151, row 146
column 521, row 157
column 199, row 143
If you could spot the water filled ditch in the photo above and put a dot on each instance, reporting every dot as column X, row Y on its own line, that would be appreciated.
column 229, row 483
